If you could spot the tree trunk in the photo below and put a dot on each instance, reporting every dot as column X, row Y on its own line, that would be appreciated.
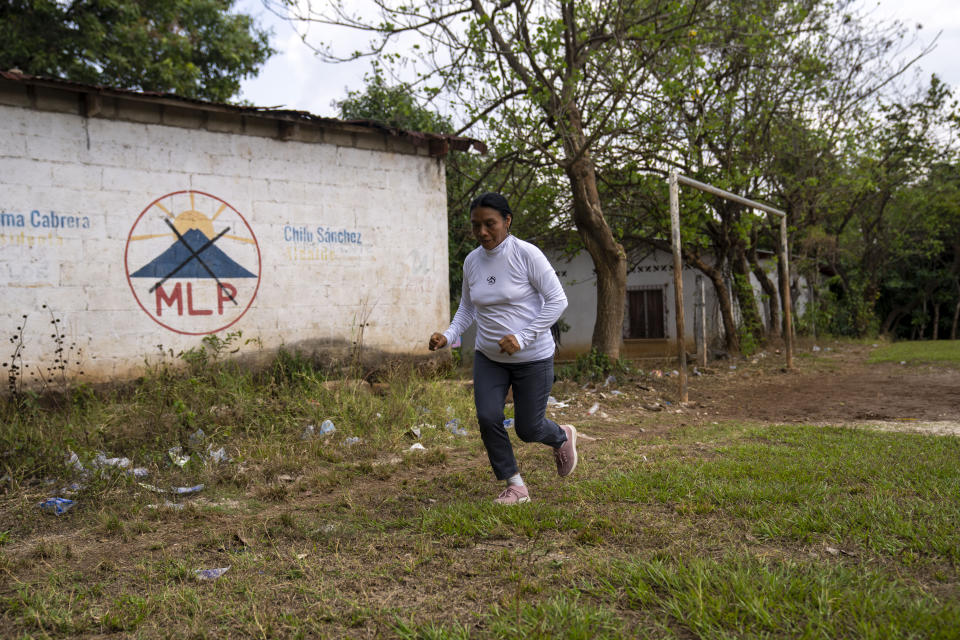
column 770, row 290
column 749, row 313
column 893, row 318
column 936, row 321
column 923, row 320
column 956, row 318
column 732, row 338
column 609, row 258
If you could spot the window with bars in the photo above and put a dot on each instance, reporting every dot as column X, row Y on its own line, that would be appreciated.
column 645, row 314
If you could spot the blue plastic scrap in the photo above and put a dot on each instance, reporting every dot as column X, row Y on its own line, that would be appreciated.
column 57, row 506
column 185, row 490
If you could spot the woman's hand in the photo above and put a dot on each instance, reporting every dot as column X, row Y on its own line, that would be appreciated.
column 509, row 345
column 437, row 341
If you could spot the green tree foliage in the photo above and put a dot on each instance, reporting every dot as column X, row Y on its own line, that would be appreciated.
column 557, row 81
column 193, row 48
column 395, row 106
column 803, row 104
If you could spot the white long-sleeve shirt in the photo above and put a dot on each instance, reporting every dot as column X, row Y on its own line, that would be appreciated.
column 511, row 289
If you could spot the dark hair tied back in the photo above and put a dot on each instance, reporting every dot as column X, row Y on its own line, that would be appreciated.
column 493, row 201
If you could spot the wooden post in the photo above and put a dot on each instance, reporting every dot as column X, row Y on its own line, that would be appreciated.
column 678, row 281
column 702, row 322
column 785, row 294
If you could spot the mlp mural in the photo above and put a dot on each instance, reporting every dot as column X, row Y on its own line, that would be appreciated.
column 192, row 262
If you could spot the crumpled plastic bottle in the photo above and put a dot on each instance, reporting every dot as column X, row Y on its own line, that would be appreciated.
column 57, row 506
column 327, row 427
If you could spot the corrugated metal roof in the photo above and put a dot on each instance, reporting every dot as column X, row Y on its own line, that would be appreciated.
column 439, row 144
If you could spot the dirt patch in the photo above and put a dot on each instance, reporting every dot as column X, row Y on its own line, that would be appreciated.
column 836, row 387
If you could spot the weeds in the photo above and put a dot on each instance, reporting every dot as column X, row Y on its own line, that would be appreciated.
column 592, row 366
column 713, row 530
column 14, row 366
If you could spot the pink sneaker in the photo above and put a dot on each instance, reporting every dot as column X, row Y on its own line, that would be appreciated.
column 566, row 454
column 513, row 495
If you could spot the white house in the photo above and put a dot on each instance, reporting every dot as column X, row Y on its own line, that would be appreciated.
column 649, row 323
column 145, row 220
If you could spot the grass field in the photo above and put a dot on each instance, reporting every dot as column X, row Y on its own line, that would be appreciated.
column 710, row 531
column 941, row 351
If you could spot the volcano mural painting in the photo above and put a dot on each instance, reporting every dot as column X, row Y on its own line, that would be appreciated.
column 184, row 260
column 187, row 262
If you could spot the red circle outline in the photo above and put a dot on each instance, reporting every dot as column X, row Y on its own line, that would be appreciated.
column 126, row 266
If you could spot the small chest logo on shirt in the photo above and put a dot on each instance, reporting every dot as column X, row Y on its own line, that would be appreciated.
column 491, row 280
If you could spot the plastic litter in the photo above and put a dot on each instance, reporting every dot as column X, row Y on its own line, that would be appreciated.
column 73, row 461
column 139, row 472
column 816, row 348
column 196, row 438
column 103, row 461
column 610, row 380
column 181, row 491
column 352, row 440
column 508, row 423
column 211, row 574
column 177, row 457
column 57, row 506
column 552, row 401
column 656, row 373
column 592, row 410
column 150, row 487
column 453, row 426
column 73, row 487
column 733, row 367
column 308, row 432
column 674, row 373
column 218, row 455
column 903, row 362
column 415, row 432
column 167, row 505
column 696, row 372
column 416, row 446
column 616, row 392
column 327, row 427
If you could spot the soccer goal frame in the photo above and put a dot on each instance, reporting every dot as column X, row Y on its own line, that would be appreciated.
column 674, row 181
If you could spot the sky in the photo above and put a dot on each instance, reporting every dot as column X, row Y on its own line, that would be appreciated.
column 294, row 78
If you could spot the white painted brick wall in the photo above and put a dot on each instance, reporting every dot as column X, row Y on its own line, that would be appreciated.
column 106, row 172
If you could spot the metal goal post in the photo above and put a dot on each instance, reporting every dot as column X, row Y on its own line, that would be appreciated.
column 674, row 181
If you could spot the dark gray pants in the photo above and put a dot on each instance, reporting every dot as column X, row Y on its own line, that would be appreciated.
column 531, row 382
